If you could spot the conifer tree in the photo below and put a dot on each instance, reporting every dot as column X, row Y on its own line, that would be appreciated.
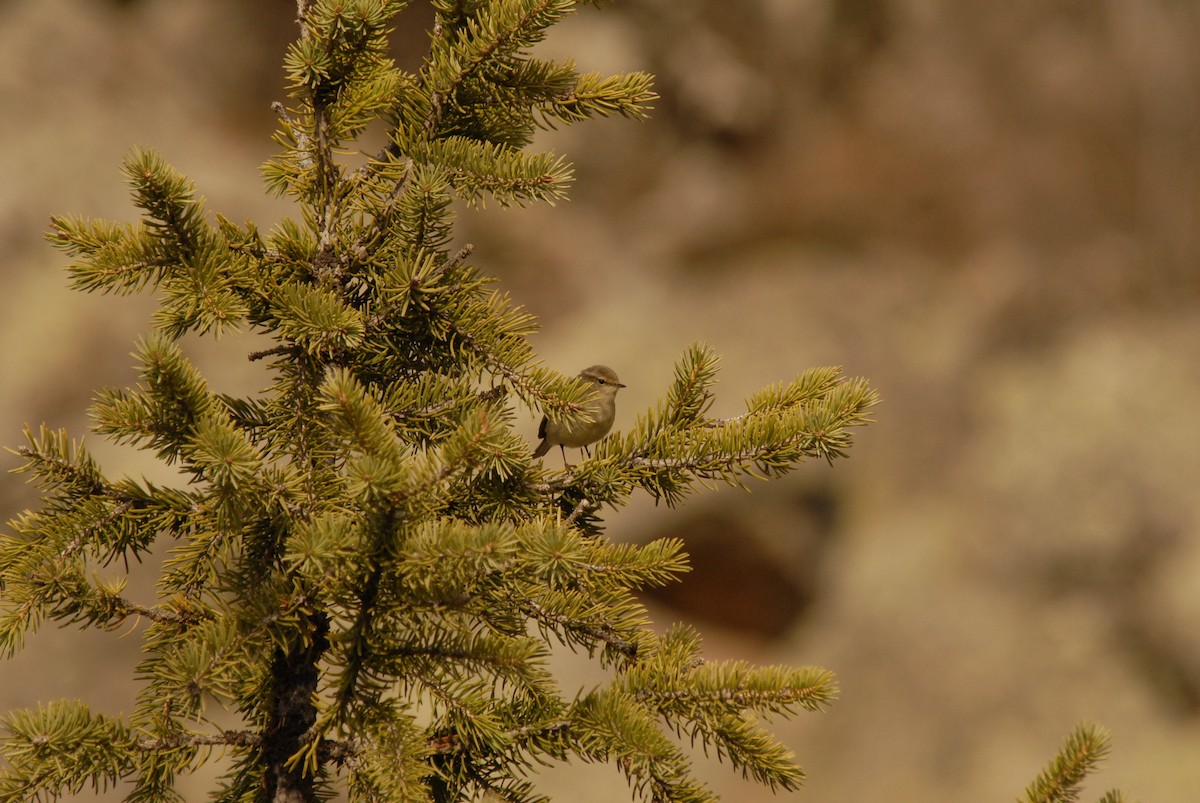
column 365, row 564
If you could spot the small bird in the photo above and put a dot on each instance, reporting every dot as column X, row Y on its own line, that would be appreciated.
column 579, row 434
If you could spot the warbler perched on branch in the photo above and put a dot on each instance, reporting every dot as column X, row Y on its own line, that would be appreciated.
column 581, row 432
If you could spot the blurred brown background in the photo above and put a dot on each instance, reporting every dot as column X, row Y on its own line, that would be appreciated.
column 992, row 210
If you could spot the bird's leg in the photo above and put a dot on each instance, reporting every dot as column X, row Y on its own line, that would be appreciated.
column 587, row 452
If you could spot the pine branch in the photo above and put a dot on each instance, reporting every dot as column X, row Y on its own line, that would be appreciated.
column 1060, row 781
column 115, row 258
column 591, row 94
column 579, row 630
column 675, row 446
column 1113, row 796
column 504, row 173
column 62, row 748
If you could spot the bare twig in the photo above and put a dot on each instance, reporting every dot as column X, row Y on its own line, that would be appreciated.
column 177, row 740
column 258, row 355
column 585, row 505
column 157, row 613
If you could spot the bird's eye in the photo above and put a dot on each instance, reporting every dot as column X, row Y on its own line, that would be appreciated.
column 601, row 381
